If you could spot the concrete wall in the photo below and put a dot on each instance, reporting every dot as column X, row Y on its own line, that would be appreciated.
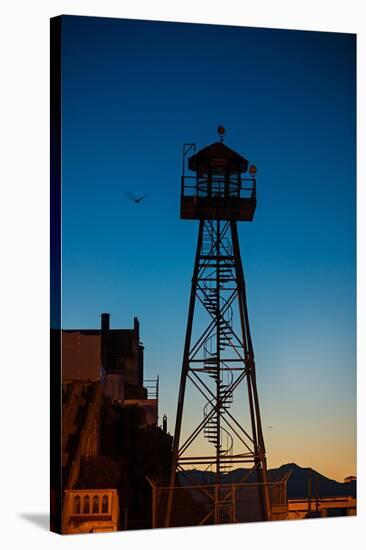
column 80, row 356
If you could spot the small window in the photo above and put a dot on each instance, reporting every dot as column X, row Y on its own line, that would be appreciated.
column 77, row 504
column 86, row 509
column 105, row 504
column 95, row 504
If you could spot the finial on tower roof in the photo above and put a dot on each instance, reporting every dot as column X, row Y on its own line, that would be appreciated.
column 221, row 131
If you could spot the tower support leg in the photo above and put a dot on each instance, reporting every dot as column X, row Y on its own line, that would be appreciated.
column 183, row 379
column 251, row 380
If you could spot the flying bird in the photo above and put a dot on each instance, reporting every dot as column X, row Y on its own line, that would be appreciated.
column 134, row 198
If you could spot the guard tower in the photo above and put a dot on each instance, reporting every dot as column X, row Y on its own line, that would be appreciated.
column 218, row 188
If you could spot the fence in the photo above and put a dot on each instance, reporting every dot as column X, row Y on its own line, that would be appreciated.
column 210, row 504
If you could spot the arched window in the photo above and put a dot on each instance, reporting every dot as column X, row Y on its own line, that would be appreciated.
column 86, row 509
column 104, row 504
column 77, row 504
column 95, row 504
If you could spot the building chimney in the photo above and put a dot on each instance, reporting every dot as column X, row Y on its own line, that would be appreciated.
column 136, row 326
column 105, row 322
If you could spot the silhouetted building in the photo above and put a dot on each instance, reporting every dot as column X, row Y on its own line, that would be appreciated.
column 92, row 354
column 114, row 357
column 96, row 364
column 321, row 507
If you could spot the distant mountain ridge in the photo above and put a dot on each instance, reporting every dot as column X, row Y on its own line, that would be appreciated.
column 297, row 485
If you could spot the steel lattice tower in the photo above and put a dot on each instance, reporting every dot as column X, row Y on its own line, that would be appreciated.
column 218, row 357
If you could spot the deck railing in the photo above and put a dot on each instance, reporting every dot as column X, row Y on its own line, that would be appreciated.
column 215, row 187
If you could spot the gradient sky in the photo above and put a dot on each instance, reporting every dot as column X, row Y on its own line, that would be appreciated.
column 135, row 91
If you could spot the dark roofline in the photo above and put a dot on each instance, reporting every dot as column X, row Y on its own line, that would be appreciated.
column 218, row 150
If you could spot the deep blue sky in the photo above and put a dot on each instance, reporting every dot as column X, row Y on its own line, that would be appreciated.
column 133, row 92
